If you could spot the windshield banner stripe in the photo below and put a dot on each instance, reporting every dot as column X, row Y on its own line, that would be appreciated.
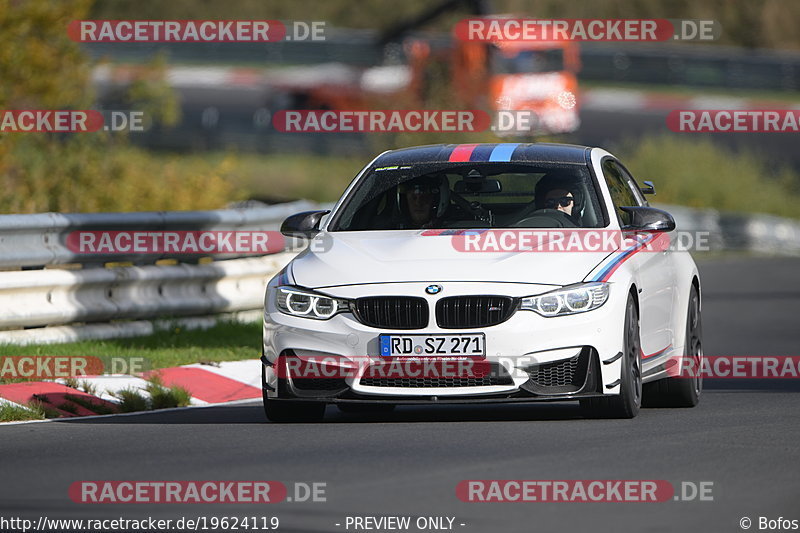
column 462, row 153
column 481, row 153
column 503, row 152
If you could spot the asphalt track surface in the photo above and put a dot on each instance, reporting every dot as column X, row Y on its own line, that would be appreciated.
column 743, row 437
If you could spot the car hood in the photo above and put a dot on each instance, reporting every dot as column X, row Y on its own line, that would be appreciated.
column 350, row 258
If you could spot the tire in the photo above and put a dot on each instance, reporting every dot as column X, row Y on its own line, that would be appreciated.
column 366, row 408
column 679, row 391
column 627, row 403
column 287, row 411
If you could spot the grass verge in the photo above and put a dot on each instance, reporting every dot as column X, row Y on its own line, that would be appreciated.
column 131, row 400
column 698, row 173
column 16, row 413
column 160, row 397
column 695, row 172
column 227, row 341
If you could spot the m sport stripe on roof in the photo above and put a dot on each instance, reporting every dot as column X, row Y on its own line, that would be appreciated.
column 461, row 153
column 477, row 153
column 503, row 152
column 486, row 153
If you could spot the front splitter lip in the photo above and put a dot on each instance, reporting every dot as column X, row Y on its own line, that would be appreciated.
column 445, row 400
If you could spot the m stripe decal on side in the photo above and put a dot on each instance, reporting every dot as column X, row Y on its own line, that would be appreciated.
column 654, row 354
column 611, row 267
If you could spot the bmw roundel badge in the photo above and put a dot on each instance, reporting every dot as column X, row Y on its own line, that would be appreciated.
column 433, row 289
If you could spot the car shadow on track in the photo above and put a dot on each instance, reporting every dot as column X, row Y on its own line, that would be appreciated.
column 465, row 413
column 254, row 414
column 788, row 384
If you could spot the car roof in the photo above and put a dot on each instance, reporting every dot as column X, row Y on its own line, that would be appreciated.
column 487, row 152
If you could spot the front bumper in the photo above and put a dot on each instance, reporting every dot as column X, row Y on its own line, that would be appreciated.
column 532, row 358
column 574, row 378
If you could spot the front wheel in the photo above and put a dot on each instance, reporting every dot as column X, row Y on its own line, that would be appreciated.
column 283, row 411
column 627, row 403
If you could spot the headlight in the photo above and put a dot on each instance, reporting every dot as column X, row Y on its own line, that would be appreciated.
column 302, row 302
column 569, row 300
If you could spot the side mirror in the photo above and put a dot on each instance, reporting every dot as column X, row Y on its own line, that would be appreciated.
column 305, row 224
column 648, row 187
column 648, row 219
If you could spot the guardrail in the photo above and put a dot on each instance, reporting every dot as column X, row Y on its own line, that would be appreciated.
column 40, row 240
column 36, row 298
column 751, row 232
column 692, row 65
column 50, row 301
column 50, row 293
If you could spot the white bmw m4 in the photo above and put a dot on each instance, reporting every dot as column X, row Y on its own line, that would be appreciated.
column 481, row 273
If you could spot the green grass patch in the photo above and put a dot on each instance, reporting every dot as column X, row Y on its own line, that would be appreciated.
column 163, row 397
column 88, row 387
column 176, row 346
column 69, row 407
column 694, row 172
column 698, row 173
column 15, row 413
column 88, row 403
column 131, row 400
column 160, row 397
column 280, row 177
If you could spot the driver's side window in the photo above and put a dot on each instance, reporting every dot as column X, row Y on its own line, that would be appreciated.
column 621, row 193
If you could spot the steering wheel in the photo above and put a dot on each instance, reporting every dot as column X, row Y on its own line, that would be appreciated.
column 546, row 218
column 475, row 208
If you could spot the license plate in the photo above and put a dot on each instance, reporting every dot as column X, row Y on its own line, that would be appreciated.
column 463, row 344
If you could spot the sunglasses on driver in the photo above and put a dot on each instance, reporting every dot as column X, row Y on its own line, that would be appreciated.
column 564, row 201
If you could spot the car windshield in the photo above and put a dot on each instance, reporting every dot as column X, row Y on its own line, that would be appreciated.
column 527, row 61
column 471, row 195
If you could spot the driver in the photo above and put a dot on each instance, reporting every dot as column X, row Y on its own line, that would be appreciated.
column 561, row 194
column 422, row 201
